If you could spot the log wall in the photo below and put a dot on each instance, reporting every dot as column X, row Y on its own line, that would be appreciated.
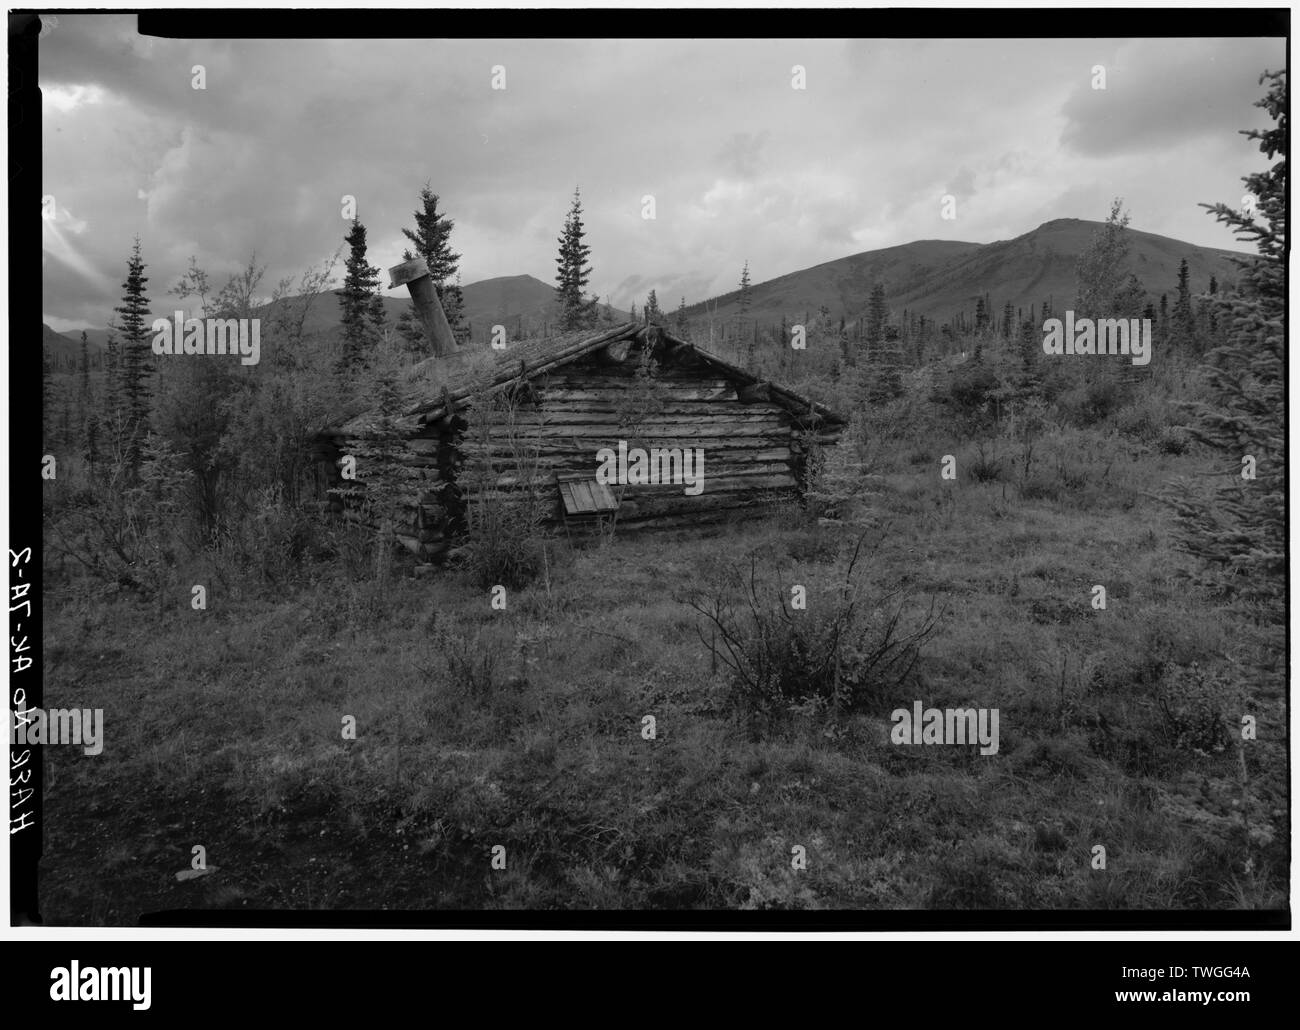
column 752, row 453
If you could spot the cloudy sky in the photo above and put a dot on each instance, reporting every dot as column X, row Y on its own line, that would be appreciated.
column 741, row 165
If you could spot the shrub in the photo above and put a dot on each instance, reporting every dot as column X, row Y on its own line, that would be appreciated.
column 1040, row 488
column 1072, row 478
column 1173, row 440
column 969, row 389
column 1145, row 418
column 1193, row 711
column 124, row 529
column 984, row 468
column 268, row 543
column 504, row 513
column 504, row 547
column 1091, row 402
column 847, row 647
column 472, row 669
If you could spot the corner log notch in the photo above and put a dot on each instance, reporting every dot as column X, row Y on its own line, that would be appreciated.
column 613, row 353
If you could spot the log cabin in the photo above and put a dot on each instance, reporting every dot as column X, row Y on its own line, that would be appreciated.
column 481, row 425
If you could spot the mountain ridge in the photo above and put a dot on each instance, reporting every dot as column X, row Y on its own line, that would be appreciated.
column 932, row 277
column 941, row 278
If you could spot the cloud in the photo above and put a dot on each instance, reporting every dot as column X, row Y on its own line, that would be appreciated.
column 68, row 98
column 741, row 155
column 742, row 166
column 1162, row 94
column 962, row 184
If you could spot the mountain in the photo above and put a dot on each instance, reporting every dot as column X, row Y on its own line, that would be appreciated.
column 935, row 278
column 64, row 349
column 507, row 299
column 514, row 301
column 939, row 278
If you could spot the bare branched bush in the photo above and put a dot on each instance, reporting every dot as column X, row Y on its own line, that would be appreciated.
column 123, row 532
column 847, row 647
column 505, row 508
column 637, row 406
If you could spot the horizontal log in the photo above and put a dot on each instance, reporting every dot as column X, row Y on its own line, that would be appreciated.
column 656, row 507
column 563, row 393
column 657, row 429
column 591, row 367
column 712, row 485
column 544, row 479
column 701, row 408
column 576, row 460
column 563, row 416
column 422, row 548
column 577, row 445
column 507, row 368
column 696, row 519
column 723, row 484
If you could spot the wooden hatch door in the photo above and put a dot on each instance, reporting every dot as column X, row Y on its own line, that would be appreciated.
column 583, row 499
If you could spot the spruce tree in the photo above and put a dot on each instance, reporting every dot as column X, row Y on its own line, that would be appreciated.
column 45, row 398
column 577, row 311
column 1238, row 531
column 877, row 315
column 89, row 417
column 411, row 331
column 653, row 316
column 1031, row 348
column 385, row 481
column 113, row 394
column 682, row 324
column 431, row 239
column 743, row 302
column 886, row 364
column 135, row 358
column 83, row 384
column 1184, row 318
column 358, row 299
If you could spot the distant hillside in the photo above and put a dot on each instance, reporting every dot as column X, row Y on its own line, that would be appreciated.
column 935, row 278
column 64, row 349
column 506, row 300
column 939, row 278
column 512, row 300
column 515, row 301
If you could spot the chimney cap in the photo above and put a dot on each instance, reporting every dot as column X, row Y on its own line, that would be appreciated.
column 407, row 272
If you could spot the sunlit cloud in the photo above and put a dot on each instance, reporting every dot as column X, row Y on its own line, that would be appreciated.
column 742, row 166
column 68, row 98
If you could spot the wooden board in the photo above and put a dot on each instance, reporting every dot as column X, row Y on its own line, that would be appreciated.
column 583, row 496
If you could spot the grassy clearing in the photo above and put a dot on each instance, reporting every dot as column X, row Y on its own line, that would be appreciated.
column 522, row 728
